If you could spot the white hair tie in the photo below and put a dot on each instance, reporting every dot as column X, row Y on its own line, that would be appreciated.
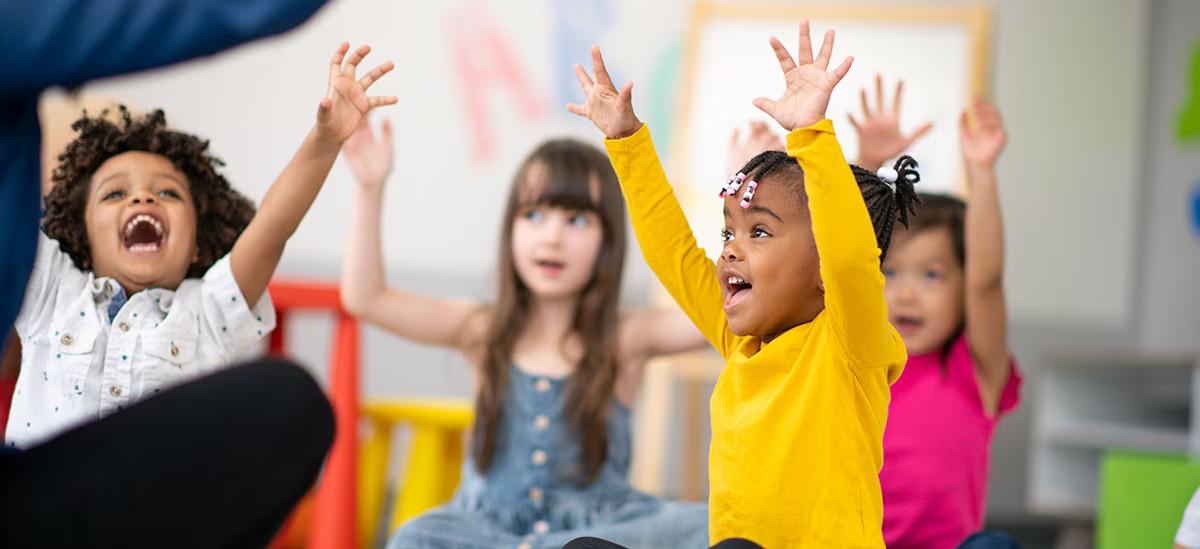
column 888, row 176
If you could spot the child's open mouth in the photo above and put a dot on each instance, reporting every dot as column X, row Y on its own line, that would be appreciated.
column 143, row 233
column 737, row 291
column 907, row 324
column 550, row 267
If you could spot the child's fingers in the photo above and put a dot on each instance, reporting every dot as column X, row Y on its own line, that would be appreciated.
column 577, row 109
column 854, row 122
column 826, row 49
column 924, row 129
column 626, row 94
column 380, row 101
column 339, row 55
column 387, row 132
column 375, row 74
column 785, row 59
column 356, row 58
column 879, row 92
column 804, row 54
column 862, row 96
column 585, row 81
column 599, row 69
column 840, row 72
column 896, row 99
column 765, row 105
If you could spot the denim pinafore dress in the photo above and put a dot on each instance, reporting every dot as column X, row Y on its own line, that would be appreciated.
column 528, row 499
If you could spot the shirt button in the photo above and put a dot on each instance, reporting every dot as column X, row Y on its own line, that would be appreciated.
column 541, row 527
column 538, row 457
column 542, row 385
column 114, row 391
column 174, row 350
column 535, row 494
column 66, row 339
column 123, row 326
column 541, row 422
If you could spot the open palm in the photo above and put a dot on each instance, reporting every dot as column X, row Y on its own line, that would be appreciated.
column 983, row 141
column 369, row 158
column 809, row 86
column 879, row 135
column 610, row 110
column 346, row 102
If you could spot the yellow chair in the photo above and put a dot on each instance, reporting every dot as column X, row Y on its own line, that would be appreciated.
column 431, row 473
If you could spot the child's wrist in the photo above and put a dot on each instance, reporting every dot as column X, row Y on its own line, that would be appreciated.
column 626, row 131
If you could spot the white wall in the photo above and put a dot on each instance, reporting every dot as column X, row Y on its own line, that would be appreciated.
column 1068, row 75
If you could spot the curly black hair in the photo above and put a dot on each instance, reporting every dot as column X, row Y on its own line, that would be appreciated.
column 887, row 202
column 221, row 212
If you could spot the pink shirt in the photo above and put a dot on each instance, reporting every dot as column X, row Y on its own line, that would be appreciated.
column 935, row 450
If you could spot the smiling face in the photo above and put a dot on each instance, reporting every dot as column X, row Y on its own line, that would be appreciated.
column 141, row 222
column 924, row 289
column 768, row 269
column 554, row 248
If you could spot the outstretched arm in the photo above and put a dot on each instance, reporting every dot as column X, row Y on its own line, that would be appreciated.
column 365, row 294
column 845, row 237
column 667, row 242
column 257, row 251
column 983, row 137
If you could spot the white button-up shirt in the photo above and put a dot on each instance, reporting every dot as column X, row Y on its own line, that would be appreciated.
column 78, row 365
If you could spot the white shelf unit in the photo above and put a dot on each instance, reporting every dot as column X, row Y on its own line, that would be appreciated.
column 1088, row 403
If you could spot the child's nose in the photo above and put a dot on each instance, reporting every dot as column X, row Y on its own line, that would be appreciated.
column 732, row 252
column 143, row 197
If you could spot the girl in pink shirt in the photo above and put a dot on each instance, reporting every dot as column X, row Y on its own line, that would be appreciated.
column 948, row 305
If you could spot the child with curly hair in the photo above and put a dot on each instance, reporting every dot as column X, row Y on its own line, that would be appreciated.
column 152, row 269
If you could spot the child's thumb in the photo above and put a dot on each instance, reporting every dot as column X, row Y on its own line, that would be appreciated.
column 765, row 105
column 323, row 109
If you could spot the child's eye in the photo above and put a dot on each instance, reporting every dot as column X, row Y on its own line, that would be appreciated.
column 534, row 215
column 113, row 195
column 578, row 220
column 759, row 232
column 726, row 235
column 889, row 273
column 169, row 194
column 933, row 275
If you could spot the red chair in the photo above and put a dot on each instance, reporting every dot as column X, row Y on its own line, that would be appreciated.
column 332, row 520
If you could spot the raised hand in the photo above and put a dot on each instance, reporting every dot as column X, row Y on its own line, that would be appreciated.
column 346, row 103
column 804, row 101
column 369, row 158
column 759, row 139
column 608, row 109
column 983, row 140
column 879, row 137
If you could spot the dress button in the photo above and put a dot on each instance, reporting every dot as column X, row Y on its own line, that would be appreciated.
column 123, row 326
column 542, row 385
column 114, row 391
column 66, row 339
column 538, row 457
column 541, row 422
column 535, row 494
column 524, row 546
column 541, row 527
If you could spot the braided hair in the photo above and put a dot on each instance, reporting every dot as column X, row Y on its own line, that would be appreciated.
column 887, row 202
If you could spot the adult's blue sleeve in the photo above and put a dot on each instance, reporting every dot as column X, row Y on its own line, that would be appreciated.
column 46, row 43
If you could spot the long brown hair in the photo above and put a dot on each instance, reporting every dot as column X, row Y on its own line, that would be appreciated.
column 577, row 176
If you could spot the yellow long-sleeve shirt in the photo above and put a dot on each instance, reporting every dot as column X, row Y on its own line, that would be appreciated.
column 798, row 422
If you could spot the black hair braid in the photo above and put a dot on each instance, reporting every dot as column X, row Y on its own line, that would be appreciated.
column 887, row 204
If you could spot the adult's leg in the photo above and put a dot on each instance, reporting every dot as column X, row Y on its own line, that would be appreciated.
column 990, row 539
column 217, row 462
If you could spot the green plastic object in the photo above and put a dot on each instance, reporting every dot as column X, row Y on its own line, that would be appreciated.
column 1142, row 498
column 1188, row 126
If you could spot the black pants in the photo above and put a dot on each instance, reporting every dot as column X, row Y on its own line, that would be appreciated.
column 597, row 543
column 218, row 462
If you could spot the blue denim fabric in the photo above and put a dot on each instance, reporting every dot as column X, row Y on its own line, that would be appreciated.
column 523, row 499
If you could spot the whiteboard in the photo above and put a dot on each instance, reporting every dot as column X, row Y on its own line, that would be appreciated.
column 938, row 52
